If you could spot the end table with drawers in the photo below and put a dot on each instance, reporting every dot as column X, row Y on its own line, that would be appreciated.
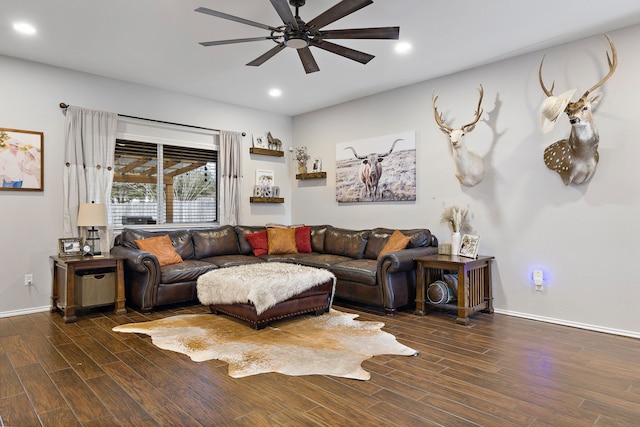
column 67, row 285
column 474, row 284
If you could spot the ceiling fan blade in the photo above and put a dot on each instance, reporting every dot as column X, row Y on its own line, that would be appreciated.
column 340, row 10
column 285, row 13
column 231, row 41
column 387, row 33
column 234, row 18
column 267, row 55
column 347, row 52
column 308, row 61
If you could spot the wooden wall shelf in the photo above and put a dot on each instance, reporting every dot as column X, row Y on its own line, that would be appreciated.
column 266, row 199
column 266, row 152
column 312, row 175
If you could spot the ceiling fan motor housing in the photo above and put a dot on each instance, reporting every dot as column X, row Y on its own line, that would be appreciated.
column 297, row 3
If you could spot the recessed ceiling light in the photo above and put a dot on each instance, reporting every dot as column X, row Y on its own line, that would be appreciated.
column 403, row 47
column 24, row 28
column 275, row 92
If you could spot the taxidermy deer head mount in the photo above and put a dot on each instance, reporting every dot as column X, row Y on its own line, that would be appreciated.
column 575, row 159
column 469, row 167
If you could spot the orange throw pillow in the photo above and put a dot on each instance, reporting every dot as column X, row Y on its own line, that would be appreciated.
column 282, row 241
column 395, row 242
column 162, row 248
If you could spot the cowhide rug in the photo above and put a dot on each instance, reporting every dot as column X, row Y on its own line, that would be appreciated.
column 331, row 344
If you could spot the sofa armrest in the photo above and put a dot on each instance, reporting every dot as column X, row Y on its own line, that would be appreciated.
column 142, row 276
column 137, row 259
column 402, row 260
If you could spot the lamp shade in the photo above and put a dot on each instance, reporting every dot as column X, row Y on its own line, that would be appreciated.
column 92, row 215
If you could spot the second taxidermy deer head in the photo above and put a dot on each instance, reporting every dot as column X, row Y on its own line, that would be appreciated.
column 469, row 166
column 575, row 159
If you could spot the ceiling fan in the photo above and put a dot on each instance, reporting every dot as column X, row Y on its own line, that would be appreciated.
column 300, row 35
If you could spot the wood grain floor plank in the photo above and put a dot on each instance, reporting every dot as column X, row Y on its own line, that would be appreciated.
column 80, row 398
column 41, row 390
column 10, row 384
column 17, row 411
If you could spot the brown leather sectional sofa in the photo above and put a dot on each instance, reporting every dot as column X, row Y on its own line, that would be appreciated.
column 387, row 283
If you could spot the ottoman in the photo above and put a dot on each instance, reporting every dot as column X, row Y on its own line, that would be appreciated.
column 264, row 292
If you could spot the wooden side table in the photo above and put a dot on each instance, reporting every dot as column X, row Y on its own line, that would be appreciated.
column 474, row 284
column 64, row 272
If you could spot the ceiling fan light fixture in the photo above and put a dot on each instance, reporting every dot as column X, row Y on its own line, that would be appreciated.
column 296, row 40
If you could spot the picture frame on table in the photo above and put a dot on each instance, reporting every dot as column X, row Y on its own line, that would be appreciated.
column 260, row 141
column 469, row 246
column 69, row 246
column 21, row 160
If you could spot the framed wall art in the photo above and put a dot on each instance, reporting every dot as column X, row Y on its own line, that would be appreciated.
column 379, row 169
column 21, row 160
column 265, row 178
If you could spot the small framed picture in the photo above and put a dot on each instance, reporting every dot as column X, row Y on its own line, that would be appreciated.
column 317, row 165
column 260, row 141
column 71, row 246
column 265, row 178
column 469, row 246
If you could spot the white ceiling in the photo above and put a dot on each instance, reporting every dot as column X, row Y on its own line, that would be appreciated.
column 155, row 43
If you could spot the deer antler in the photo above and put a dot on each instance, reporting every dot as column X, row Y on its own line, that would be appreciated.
column 439, row 118
column 479, row 110
column 544, row 88
column 612, row 67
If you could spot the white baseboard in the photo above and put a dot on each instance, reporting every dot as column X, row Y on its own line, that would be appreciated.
column 30, row 310
column 595, row 328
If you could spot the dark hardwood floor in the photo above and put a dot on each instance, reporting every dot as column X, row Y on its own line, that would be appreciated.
column 498, row 371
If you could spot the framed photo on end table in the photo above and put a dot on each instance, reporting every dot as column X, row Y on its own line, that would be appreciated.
column 469, row 246
column 71, row 246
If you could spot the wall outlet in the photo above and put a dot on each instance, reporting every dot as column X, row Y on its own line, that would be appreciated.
column 28, row 279
column 538, row 280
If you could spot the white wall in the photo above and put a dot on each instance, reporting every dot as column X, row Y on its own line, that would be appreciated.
column 583, row 237
column 31, row 222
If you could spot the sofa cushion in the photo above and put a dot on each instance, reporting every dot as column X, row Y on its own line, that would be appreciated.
column 187, row 271
column 215, row 241
column 258, row 241
column 320, row 260
column 317, row 237
column 395, row 242
column 181, row 240
column 242, row 231
column 378, row 238
column 232, row 260
column 281, row 241
column 349, row 243
column 303, row 239
column 357, row 270
column 162, row 248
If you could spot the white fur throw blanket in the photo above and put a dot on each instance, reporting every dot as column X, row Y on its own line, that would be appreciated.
column 263, row 284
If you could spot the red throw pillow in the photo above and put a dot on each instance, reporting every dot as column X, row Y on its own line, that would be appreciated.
column 258, row 242
column 303, row 239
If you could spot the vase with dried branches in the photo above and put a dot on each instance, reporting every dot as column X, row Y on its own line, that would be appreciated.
column 302, row 157
column 458, row 221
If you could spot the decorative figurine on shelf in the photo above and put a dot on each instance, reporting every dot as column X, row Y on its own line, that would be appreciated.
column 302, row 157
column 274, row 143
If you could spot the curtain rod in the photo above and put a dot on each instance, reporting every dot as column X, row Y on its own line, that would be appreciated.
column 65, row 106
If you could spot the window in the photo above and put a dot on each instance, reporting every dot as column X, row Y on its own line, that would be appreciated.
column 163, row 184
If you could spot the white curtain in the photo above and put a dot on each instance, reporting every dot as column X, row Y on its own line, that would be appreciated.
column 88, row 176
column 231, row 173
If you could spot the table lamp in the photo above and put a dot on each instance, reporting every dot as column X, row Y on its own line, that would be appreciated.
column 92, row 215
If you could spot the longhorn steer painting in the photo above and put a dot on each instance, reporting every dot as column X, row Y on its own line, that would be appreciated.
column 575, row 158
column 380, row 169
